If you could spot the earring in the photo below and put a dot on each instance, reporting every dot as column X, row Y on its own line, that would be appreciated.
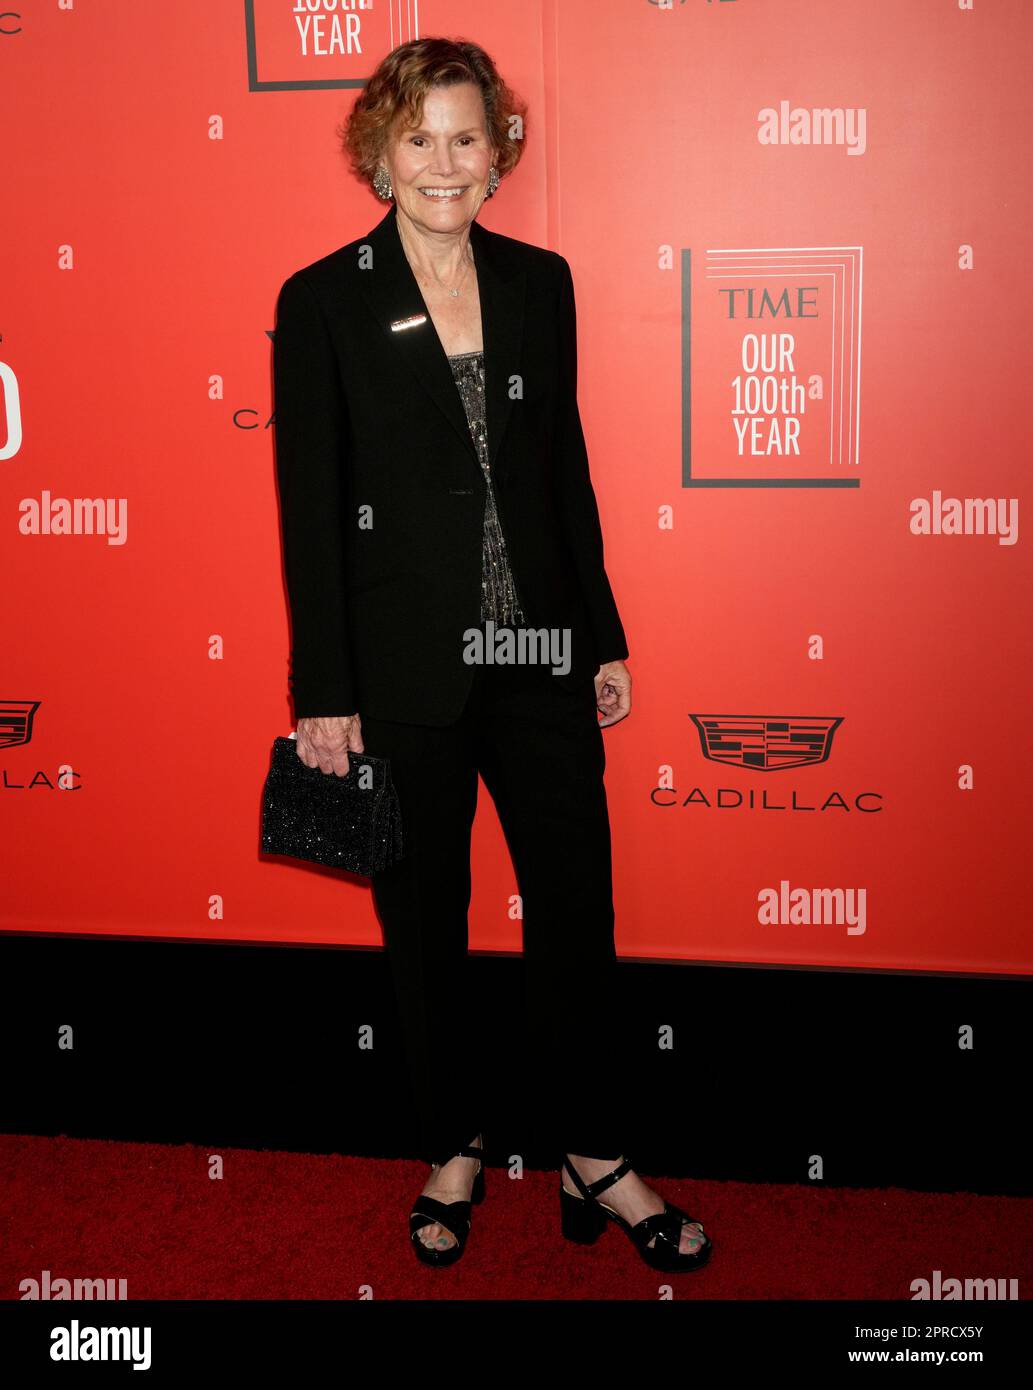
column 382, row 183
column 493, row 181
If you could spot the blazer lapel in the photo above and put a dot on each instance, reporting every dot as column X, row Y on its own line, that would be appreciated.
column 394, row 294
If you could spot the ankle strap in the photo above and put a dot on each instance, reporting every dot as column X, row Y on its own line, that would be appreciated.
column 601, row 1184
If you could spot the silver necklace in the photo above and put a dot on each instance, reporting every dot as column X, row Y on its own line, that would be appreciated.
column 452, row 292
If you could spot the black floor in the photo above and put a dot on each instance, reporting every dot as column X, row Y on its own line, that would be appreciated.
column 260, row 1046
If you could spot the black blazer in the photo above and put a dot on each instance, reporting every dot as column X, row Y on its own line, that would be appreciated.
column 382, row 495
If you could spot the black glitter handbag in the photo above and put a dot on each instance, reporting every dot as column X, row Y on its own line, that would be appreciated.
column 351, row 822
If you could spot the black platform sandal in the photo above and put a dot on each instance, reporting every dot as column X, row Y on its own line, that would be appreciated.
column 584, row 1218
column 454, row 1216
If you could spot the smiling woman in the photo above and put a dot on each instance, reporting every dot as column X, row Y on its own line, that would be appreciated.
column 395, row 96
column 437, row 131
column 396, row 358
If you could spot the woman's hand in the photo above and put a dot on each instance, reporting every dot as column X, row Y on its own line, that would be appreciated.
column 326, row 742
column 613, row 692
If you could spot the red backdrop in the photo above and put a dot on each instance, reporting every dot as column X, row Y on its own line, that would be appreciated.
column 826, row 689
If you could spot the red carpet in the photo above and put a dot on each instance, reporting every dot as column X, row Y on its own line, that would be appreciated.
column 283, row 1225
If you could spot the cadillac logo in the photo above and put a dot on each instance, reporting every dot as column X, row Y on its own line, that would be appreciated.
column 16, row 721
column 766, row 742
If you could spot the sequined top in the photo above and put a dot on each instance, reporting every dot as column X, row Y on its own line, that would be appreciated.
column 499, row 599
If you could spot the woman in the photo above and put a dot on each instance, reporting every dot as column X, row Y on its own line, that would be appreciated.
column 434, row 484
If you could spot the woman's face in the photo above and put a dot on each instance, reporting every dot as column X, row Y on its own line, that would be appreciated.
column 449, row 150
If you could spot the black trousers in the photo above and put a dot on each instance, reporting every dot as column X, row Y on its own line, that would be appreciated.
column 539, row 749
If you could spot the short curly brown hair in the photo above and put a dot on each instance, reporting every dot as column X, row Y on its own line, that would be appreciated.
column 397, row 88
